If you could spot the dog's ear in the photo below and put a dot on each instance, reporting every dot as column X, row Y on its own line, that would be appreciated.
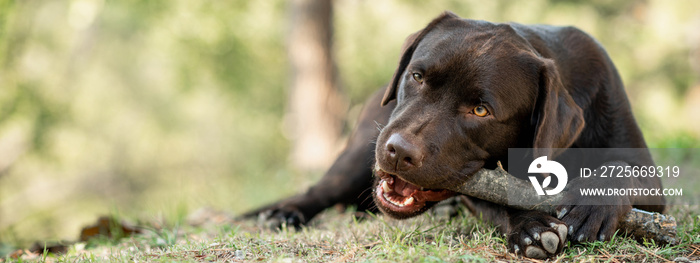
column 407, row 52
column 558, row 119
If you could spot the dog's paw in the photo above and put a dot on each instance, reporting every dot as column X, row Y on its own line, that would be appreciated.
column 593, row 218
column 282, row 217
column 536, row 235
column 588, row 223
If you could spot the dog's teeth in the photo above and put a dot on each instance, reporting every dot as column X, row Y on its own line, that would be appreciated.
column 409, row 201
column 386, row 188
column 389, row 198
column 422, row 188
column 398, row 203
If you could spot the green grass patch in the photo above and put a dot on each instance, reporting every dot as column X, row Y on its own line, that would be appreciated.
column 339, row 237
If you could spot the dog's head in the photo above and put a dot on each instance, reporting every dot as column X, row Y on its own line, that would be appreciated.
column 465, row 92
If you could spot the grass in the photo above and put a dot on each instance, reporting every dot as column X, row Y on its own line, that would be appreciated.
column 339, row 237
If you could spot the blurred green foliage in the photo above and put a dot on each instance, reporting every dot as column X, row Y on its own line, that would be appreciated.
column 152, row 108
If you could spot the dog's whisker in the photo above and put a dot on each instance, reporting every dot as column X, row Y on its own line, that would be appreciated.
column 373, row 142
column 380, row 126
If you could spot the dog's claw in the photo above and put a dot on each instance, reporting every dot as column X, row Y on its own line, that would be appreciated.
column 562, row 213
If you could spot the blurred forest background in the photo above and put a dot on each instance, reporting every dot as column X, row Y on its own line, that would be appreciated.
column 151, row 109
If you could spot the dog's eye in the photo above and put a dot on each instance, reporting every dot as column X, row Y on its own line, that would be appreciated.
column 418, row 77
column 480, row 111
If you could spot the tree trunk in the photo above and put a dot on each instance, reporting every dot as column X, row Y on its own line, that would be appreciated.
column 316, row 105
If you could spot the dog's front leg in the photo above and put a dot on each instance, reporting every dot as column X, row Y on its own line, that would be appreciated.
column 529, row 233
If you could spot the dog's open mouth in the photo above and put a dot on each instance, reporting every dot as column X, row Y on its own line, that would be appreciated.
column 403, row 197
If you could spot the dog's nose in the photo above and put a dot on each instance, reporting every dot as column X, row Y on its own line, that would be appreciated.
column 403, row 154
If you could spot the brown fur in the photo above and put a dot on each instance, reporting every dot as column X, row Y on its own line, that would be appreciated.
column 544, row 87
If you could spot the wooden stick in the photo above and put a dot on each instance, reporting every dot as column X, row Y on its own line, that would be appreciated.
column 498, row 186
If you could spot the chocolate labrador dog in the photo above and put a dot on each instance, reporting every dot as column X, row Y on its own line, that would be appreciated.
column 463, row 93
